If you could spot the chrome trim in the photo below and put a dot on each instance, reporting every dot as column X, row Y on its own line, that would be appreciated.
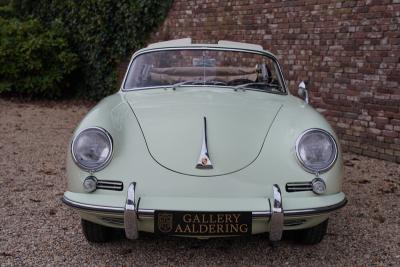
column 171, row 86
column 90, row 207
column 301, row 161
column 256, row 214
column 110, row 185
column 107, row 209
column 204, row 161
column 298, row 186
column 276, row 221
column 146, row 213
column 130, row 216
column 110, row 182
column 261, row 214
column 315, row 211
column 109, row 156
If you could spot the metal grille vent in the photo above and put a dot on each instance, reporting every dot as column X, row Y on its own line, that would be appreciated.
column 298, row 186
column 110, row 185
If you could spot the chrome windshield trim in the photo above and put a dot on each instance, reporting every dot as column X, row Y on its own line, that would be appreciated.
column 204, row 47
column 167, row 87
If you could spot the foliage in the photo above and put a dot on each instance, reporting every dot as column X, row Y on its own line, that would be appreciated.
column 33, row 61
column 6, row 10
column 100, row 32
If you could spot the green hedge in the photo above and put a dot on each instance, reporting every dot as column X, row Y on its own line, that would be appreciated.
column 34, row 61
column 101, row 33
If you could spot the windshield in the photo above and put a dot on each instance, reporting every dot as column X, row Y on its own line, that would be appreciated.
column 201, row 67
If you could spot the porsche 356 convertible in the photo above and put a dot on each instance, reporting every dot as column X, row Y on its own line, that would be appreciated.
column 204, row 140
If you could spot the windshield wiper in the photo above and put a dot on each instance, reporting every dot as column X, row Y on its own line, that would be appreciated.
column 258, row 85
column 174, row 86
column 215, row 82
column 253, row 85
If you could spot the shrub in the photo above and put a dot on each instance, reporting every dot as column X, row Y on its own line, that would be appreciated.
column 100, row 32
column 6, row 10
column 34, row 61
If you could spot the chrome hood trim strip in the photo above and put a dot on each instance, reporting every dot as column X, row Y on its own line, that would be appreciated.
column 204, row 161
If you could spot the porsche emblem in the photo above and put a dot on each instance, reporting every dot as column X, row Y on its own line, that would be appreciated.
column 165, row 222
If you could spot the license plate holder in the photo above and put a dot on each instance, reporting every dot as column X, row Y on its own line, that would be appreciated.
column 190, row 223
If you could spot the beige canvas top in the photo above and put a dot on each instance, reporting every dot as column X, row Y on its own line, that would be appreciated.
column 226, row 74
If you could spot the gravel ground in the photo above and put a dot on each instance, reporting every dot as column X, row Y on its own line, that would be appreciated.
column 37, row 229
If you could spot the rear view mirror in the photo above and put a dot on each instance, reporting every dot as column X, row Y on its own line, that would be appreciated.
column 302, row 92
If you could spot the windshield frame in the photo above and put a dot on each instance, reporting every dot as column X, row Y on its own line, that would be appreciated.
column 204, row 47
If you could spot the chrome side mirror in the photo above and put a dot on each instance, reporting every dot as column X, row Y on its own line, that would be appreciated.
column 302, row 92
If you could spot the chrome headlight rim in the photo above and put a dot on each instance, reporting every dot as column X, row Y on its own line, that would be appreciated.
column 302, row 163
column 108, row 158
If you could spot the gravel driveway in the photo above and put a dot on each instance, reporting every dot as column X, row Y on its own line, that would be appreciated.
column 37, row 229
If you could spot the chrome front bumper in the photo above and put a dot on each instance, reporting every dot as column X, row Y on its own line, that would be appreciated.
column 275, row 214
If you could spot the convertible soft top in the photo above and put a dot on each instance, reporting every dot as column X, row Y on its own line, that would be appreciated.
column 221, row 44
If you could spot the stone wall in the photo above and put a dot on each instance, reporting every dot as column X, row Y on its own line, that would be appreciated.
column 349, row 51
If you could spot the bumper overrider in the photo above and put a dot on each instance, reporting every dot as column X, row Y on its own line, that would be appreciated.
column 275, row 216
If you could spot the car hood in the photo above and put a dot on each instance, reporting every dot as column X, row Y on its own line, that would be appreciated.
column 172, row 124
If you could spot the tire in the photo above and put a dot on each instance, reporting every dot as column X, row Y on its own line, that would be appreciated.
column 313, row 235
column 96, row 233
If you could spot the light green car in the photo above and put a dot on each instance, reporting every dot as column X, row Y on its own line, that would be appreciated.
column 204, row 140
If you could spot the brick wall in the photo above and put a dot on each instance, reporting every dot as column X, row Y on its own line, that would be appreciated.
column 348, row 50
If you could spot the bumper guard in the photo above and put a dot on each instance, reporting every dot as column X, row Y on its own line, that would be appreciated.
column 130, row 214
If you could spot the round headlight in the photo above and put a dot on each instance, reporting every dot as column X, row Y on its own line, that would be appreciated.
column 316, row 150
column 92, row 149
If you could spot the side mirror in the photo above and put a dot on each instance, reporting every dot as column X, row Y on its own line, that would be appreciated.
column 302, row 92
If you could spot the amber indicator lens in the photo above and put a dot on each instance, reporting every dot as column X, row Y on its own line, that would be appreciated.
column 202, row 223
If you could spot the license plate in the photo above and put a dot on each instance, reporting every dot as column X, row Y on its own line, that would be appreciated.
column 202, row 223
